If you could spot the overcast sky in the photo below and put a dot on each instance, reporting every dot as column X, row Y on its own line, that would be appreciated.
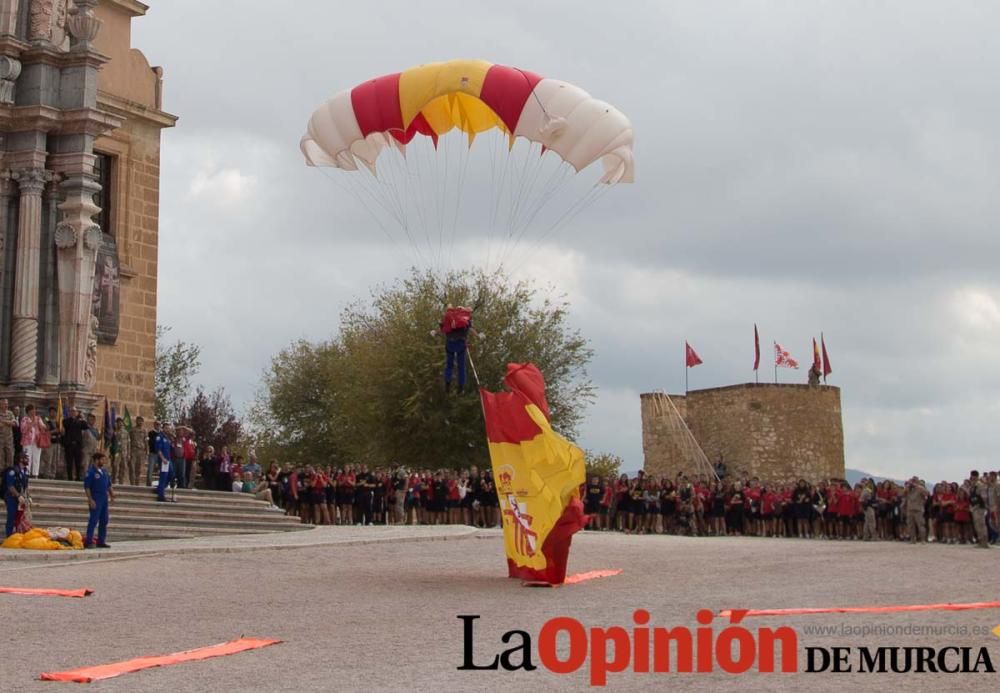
column 821, row 166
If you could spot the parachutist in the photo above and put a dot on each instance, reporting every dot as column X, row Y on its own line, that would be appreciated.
column 456, row 326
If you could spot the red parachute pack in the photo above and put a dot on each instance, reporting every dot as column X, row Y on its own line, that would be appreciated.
column 456, row 319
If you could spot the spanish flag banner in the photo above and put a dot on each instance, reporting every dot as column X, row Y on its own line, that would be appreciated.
column 538, row 474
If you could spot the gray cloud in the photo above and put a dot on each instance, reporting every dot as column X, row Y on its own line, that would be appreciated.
column 808, row 166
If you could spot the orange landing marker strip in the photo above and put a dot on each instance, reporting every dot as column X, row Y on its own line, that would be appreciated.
column 590, row 575
column 109, row 671
column 866, row 609
column 28, row 591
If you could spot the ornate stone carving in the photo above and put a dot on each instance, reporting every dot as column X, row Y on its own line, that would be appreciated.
column 47, row 21
column 92, row 238
column 83, row 25
column 32, row 180
column 107, row 291
column 65, row 235
column 90, row 369
column 10, row 70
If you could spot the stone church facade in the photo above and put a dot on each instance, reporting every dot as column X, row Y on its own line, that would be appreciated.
column 80, row 122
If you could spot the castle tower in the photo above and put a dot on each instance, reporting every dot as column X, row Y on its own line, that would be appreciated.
column 777, row 432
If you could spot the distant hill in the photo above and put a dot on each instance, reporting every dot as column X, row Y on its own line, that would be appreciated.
column 855, row 475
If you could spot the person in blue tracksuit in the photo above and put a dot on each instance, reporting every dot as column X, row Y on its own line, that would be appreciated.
column 97, row 484
column 15, row 484
column 164, row 453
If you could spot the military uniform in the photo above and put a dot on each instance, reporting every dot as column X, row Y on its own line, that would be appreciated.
column 916, row 526
column 868, row 504
column 138, row 447
column 119, row 467
column 7, row 421
column 978, row 497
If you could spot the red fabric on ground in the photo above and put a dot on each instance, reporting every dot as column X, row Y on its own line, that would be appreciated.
column 31, row 592
column 590, row 575
column 109, row 671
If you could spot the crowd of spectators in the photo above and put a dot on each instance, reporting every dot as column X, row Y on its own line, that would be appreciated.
column 949, row 512
column 829, row 509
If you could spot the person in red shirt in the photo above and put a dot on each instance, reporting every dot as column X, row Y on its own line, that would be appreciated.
column 345, row 495
column 453, row 500
column 317, row 493
column 607, row 499
column 963, row 516
column 769, row 502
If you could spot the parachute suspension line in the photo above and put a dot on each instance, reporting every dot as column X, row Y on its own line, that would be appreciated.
column 443, row 196
column 367, row 207
column 425, row 196
column 516, row 203
column 553, row 186
column 467, row 154
column 528, row 188
column 420, row 198
column 584, row 203
column 377, row 190
column 493, row 177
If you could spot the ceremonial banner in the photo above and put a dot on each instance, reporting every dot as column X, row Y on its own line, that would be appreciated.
column 756, row 348
column 691, row 357
column 538, row 474
column 782, row 359
column 827, row 368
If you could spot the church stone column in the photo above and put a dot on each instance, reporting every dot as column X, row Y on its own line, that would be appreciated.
column 77, row 240
column 48, row 371
column 24, row 338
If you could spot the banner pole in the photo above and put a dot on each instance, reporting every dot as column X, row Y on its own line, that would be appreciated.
column 775, row 363
column 686, row 369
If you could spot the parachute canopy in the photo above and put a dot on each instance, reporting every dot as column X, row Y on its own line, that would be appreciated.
column 473, row 96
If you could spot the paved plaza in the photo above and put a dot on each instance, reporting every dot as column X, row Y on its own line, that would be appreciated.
column 364, row 609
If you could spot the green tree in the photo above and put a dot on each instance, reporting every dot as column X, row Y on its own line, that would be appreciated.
column 375, row 393
column 603, row 464
column 176, row 364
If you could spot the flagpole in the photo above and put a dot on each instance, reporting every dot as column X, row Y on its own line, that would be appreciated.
column 775, row 363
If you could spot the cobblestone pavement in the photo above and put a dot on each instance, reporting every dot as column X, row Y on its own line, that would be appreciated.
column 382, row 616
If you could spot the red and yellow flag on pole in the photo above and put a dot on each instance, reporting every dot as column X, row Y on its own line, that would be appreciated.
column 538, row 475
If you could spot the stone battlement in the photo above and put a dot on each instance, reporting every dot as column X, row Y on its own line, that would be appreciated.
column 778, row 432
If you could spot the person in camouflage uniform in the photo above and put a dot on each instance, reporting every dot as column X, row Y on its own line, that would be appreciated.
column 7, row 424
column 138, row 447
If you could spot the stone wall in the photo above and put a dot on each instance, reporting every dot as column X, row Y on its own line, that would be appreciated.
column 775, row 432
column 125, row 370
column 130, row 88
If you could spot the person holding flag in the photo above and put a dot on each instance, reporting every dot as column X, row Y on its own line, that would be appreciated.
column 815, row 370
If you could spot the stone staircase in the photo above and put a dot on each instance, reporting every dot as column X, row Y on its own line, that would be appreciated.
column 136, row 514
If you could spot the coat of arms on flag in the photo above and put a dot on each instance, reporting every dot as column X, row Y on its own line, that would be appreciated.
column 782, row 359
